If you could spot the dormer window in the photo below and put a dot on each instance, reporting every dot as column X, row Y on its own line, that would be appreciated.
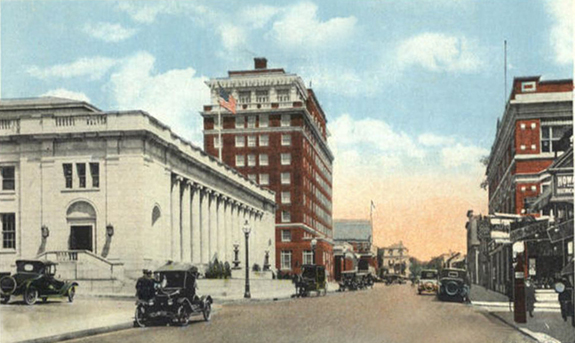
column 528, row 86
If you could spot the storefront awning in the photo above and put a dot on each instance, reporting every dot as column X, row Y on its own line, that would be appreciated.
column 568, row 269
column 541, row 201
column 560, row 231
column 538, row 227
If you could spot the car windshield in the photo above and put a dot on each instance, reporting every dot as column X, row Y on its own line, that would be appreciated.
column 173, row 279
column 429, row 275
column 309, row 273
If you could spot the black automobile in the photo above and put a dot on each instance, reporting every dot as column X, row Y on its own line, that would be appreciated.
column 348, row 281
column 453, row 285
column 174, row 298
column 312, row 279
column 34, row 279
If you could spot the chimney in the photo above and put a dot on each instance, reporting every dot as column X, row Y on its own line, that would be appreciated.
column 261, row 63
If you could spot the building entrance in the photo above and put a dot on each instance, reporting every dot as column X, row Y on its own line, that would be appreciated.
column 81, row 237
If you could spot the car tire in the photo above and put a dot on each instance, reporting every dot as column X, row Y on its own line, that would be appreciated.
column 183, row 315
column 207, row 311
column 30, row 296
column 452, row 288
column 71, row 294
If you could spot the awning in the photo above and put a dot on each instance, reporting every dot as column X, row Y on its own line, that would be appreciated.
column 560, row 231
column 541, row 201
column 568, row 269
column 538, row 227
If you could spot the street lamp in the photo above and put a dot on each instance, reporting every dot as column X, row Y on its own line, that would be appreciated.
column 247, row 229
column 313, row 244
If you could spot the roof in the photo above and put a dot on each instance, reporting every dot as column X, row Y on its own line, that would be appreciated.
column 44, row 101
column 177, row 267
column 352, row 230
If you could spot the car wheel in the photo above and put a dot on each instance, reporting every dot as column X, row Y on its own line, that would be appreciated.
column 139, row 317
column 71, row 294
column 30, row 296
column 451, row 288
column 207, row 311
column 183, row 315
column 5, row 299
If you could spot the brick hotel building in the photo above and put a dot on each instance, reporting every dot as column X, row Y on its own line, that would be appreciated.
column 278, row 138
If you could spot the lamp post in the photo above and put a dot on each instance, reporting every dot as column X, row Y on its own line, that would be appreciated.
column 247, row 229
column 313, row 244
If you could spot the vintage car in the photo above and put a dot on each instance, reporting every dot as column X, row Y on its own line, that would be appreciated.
column 34, row 279
column 312, row 279
column 391, row 279
column 348, row 281
column 453, row 285
column 174, row 299
column 428, row 281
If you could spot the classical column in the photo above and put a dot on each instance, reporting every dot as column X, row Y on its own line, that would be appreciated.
column 221, row 233
column 213, row 225
column 205, row 225
column 196, row 224
column 185, row 243
column 175, row 216
column 227, row 231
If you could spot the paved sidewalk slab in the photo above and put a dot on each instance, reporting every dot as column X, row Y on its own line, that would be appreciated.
column 543, row 326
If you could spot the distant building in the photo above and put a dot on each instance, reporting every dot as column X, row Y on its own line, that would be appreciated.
column 394, row 259
column 358, row 235
column 109, row 193
column 278, row 139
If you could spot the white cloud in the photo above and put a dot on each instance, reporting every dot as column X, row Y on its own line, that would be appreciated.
column 145, row 13
column 173, row 97
column 439, row 52
column 92, row 67
column 259, row 15
column 109, row 32
column 430, row 139
column 460, row 155
column 64, row 93
column 232, row 36
column 300, row 27
column 562, row 29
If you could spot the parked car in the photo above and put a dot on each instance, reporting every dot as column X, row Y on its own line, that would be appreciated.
column 312, row 279
column 175, row 299
column 34, row 279
column 348, row 281
column 428, row 281
column 453, row 285
column 391, row 279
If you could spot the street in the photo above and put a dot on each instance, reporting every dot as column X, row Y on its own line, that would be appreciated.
column 385, row 314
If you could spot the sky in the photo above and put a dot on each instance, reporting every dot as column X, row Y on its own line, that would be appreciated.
column 412, row 89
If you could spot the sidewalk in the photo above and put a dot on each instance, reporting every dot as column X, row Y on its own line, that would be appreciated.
column 90, row 315
column 546, row 325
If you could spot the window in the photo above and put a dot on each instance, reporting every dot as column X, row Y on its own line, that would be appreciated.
column 216, row 142
column 240, row 161
column 307, row 257
column 95, row 174
column 285, row 159
column 550, row 136
column 264, row 140
column 252, row 177
column 240, row 122
column 262, row 96
column 283, row 95
column 251, row 160
column 245, row 97
column 264, row 179
column 286, row 198
column 286, row 236
column 8, row 230
column 252, row 141
column 8, row 180
column 264, row 160
column 285, row 258
column 251, row 122
column 240, row 141
column 81, row 169
column 68, row 174
column 286, row 217
column 286, row 178
column 286, row 120
column 286, row 139
column 264, row 120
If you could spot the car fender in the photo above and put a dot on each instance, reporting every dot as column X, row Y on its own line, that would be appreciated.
column 206, row 298
column 67, row 287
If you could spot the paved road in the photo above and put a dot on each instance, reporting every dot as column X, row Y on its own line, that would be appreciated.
column 384, row 314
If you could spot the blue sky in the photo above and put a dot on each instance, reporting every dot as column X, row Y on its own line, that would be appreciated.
column 412, row 89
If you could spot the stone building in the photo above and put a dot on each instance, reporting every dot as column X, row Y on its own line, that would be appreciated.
column 394, row 259
column 278, row 139
column 110, row 193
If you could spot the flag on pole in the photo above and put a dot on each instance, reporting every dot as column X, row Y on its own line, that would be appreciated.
column 226, row 100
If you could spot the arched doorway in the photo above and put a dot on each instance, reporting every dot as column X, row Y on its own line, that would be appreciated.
column 81, row 218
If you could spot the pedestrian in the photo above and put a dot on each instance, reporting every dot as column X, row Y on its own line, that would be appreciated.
column 145, row 286
column 529, row 296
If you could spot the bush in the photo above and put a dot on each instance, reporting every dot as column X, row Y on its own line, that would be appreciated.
column 256, row 267
column 218, row 270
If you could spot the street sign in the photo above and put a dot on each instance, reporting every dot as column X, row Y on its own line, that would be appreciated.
column 519, row 275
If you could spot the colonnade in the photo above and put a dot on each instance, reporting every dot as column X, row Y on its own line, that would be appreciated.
column 205, row 224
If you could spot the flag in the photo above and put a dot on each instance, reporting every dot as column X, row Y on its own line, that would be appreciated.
column 226, row 100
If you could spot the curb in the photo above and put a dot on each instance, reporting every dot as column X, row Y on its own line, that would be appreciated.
column 81, row 333
column 523, row 331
